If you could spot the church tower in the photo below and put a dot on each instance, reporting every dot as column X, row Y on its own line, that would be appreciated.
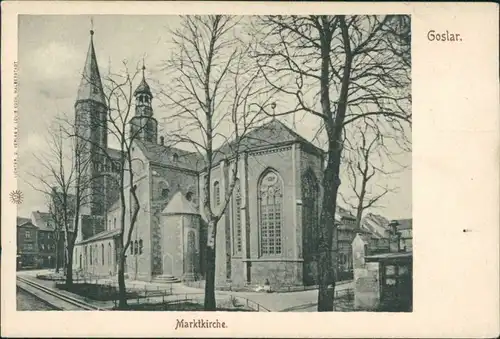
column 91, row 128
column 143, row 126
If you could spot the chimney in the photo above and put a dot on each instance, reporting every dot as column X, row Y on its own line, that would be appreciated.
column 162, row 140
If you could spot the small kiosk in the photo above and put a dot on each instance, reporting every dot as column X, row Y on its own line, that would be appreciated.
column 382, row 281
column 395, row 276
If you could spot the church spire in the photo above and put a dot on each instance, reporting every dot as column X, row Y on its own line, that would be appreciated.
column 143, row 87
column 90, row 85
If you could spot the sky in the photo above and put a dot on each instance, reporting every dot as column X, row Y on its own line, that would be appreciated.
column 51, row 55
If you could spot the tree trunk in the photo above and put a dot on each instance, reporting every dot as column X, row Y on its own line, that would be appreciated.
column 56, row 235
column 210, row 304
column 69, row 267
column 327, row 265
column 122, row 293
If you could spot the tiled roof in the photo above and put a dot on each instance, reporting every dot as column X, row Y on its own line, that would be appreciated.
column 90, row 85
column 166, row 155
column 179, row 205
column 363, row 237
column 405, row 224
column 389, row 256
column 376, row 224
column 42, row 220
column 21, row 221
column 101, row 236
column 268, row 134
column 344, row 213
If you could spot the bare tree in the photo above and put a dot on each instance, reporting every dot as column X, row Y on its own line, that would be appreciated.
column 211, row 85
column 337, row 69
column 58, row 227
column 60, row 177
column 366, row 153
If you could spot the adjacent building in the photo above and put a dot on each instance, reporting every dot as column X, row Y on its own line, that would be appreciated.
column 383, row 279
column 38, row 241
column 27, row 247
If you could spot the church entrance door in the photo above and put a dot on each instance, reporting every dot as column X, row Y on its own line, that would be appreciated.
column 168, row 264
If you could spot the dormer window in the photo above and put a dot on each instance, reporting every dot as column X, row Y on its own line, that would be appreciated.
column 164, row 193
column 189, row 196
column 175, row 157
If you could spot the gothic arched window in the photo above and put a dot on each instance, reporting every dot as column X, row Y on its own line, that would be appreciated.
column 140, row 246
column 216, row 193
column 189, row 196
column 102, row 254
column 136, row 247
column 90, row 254
column 237, row 245
column 310, row 213
column 270, row 192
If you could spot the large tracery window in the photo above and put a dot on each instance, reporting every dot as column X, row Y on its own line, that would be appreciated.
column 237, row 218
column 270, row 213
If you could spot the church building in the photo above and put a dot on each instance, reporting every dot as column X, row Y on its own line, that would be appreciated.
column 268, row 232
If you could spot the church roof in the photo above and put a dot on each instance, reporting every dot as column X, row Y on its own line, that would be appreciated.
column 269, row 134
column 90, row 85
column 166, row 155
column 179, row 205
column 101, row 236
column 143, row 86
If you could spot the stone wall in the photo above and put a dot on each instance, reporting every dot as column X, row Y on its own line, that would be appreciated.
column 366, row 277
column 367, row 287
column 279, row 273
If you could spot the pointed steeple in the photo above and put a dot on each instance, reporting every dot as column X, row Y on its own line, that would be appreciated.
column 90, row 84
column 143, row 86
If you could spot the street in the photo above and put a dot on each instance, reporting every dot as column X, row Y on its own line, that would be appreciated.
column 27, row 302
